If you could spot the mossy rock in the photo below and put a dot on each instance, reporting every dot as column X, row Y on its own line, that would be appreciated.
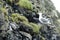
column 18, row 18
column 22, row 3
column 26, row 4
column 3, row 10
column 34, row 27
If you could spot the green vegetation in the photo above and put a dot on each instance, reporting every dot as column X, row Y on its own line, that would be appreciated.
column 15, row 17
column 26, row 4
column 34, row 26
column 22, row 3
column 18, row 18
column 3, row 9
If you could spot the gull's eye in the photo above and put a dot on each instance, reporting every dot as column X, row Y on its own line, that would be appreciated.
column 43, row 15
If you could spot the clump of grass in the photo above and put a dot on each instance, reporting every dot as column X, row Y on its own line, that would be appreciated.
column 26, row 4
column 18, row 18
column 34, row 27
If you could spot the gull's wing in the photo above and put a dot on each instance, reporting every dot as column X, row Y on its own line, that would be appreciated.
column 45, row 21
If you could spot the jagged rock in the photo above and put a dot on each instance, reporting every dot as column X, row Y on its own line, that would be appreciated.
column 18, row 35
column 26, row 34
column 13, row 26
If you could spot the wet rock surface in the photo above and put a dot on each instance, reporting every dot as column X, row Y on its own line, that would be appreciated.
column 29, row 20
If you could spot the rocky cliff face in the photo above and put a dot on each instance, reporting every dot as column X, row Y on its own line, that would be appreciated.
column 29, row 20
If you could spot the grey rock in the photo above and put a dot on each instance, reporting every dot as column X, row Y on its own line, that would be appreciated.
column 13, row 26
column 26, row 34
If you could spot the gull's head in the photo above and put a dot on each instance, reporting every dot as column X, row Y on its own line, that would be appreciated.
column 40, row 14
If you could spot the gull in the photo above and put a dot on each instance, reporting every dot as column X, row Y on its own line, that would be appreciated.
column 43, row 20
column 46, row 21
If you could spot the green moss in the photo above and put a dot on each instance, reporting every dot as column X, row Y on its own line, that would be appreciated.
column 26, row 4
column 17, row 18
column 3, row 9
column 22, row 3
column 27, row 24
column 34, row 26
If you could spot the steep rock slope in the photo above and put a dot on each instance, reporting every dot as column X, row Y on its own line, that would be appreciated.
column 19, row 20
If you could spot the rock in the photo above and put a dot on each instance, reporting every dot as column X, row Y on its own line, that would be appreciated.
column 26, row 28
column 1, row 22
column 18, row 36
column 13, row 26
column 26, row 34
column 19, row 20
